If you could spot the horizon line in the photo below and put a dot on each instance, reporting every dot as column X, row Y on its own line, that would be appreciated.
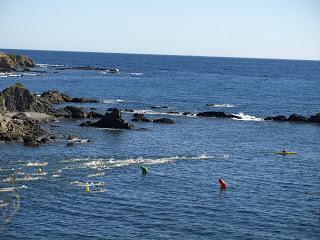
column 162, row 54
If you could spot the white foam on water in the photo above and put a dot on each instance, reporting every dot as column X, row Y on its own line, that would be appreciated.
column 39, row 174
column 245, row 117
column 33, row 74
column 108, row 163
column 223, row 105
column 10, row 74
column 88, row 184
column 44, row 65
column 98, row 191
column 136, row 74
column 97, row 174
column 151, row 112
column 11, row 189
column 37, row 164
column 23, row 179
column 3, row 204
column 112, row 101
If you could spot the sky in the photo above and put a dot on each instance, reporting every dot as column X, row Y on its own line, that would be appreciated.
column 287, row 29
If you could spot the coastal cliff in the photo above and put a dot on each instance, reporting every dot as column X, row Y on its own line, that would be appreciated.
column 11, row 62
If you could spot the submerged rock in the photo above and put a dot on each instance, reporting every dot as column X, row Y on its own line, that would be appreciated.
column 163, row 120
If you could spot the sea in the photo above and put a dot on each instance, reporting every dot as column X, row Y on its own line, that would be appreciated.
column 95, row 189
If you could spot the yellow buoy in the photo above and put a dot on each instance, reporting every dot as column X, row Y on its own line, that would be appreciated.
column 88, row 189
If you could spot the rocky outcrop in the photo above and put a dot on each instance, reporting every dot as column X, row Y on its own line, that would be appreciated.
column 296, row 118
column 19, row 99
column 21, row 127
column 315, row 118
column 158, row 107
column 279, row 118
column 2, row 103
column 217, row 115
column 12, row 62
column 55, row 97
column 109, row 70
column 110, row 120
column 75, row 112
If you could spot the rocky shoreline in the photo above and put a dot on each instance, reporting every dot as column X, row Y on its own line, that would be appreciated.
column 22, row 113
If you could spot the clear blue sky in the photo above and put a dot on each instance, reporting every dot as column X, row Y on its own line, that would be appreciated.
column 235, row 28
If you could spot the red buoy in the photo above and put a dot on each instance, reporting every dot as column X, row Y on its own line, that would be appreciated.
column 223, row 184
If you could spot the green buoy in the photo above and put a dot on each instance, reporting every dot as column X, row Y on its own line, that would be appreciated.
column 144, row 169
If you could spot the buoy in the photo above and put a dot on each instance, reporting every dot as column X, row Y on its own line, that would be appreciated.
column 88, row 189
column 144, row 169
column 223, row 184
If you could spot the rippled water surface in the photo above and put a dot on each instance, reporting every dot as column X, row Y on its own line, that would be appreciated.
column 43, row 190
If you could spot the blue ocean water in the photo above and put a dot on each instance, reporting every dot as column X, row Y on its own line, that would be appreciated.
column 269, row 196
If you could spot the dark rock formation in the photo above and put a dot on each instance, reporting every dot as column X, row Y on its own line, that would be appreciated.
column 112, row 109
column 279, row 118
column 138, row 117
column 173, row 112
column 87, row 124
column 110, row 120
column 315, row 119
column 109, row 70
column 163, row 120
column 19, row 99
column 76, row 112
column 158, row 107
column 94, row 115
column 56, row 97
column 21, row 127
column 186, row 113
column 297, row 118
column 12, row 62
column 213, row 114
column 2, row 103
column 128, row 110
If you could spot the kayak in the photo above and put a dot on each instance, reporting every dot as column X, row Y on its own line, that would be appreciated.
column 285, row 153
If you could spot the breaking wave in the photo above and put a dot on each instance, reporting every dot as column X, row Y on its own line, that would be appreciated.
column 151, row 112
column 45, row 65
column 10, row 189
column 37, row 164
column 112, row 101
column 245, row 117
column 224, row 105
column 136, row 74
column 108, row 163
